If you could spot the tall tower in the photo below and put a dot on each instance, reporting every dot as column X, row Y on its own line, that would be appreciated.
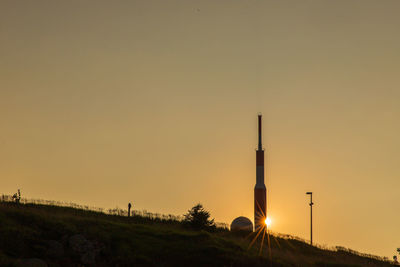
column 260, row 192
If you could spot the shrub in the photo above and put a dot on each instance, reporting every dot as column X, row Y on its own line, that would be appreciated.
column 198, row 218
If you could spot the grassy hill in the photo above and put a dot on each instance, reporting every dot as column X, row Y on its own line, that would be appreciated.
column 42, row 235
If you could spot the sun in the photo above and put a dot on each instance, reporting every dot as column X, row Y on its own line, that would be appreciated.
column 268, row 222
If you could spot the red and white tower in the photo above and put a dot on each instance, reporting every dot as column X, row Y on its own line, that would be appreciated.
column 260, row 192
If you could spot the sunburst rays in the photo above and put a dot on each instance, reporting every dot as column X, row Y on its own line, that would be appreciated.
column 264, row 231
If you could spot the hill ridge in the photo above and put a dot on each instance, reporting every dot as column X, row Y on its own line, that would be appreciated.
column 67, row 236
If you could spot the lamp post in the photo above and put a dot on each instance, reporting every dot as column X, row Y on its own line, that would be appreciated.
column 311, row 204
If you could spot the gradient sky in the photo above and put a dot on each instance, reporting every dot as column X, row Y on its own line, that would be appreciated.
column 155, row 103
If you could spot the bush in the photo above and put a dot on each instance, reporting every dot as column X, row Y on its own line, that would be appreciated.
column 198, row 218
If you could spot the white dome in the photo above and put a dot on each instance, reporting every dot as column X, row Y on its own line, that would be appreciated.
column 242, row 224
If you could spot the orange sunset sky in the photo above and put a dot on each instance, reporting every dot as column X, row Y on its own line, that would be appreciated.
column 155, row 103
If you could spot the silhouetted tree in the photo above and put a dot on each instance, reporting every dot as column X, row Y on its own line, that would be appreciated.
column 395, row 257
column 198, row 218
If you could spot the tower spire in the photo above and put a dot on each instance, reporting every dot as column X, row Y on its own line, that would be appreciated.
column 259, row 132
column 260, row 191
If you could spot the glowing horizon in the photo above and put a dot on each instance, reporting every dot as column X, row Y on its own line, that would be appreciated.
column 155, row 103
column 268, row 222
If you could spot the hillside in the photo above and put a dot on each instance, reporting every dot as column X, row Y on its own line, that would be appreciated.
column 41, row 235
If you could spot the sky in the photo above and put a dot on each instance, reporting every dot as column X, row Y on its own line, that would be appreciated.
column 155, row 103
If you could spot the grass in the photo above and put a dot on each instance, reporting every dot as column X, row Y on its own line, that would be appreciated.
column 27, row 229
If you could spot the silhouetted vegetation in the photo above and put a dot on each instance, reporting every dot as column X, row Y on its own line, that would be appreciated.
column 198, row 218
column 65, row 236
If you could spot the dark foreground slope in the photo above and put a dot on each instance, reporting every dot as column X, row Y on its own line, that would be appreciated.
column 37, row 235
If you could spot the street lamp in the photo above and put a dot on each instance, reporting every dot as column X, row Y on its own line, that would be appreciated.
column 311, row 204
